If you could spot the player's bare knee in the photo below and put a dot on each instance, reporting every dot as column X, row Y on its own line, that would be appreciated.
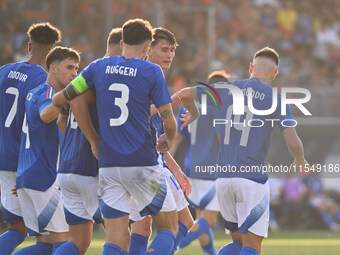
column 82, row 244
column 236, row 237
column 142, row 227
column 185, row 218
column 18, row 226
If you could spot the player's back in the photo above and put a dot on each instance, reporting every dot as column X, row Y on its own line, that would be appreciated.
column 16, row 80
column 75, row 152
column 245, row 139
column 39, row 142
column 202, row 144
column 124, row 91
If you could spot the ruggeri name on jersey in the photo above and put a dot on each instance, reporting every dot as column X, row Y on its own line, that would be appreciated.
column 123, row 70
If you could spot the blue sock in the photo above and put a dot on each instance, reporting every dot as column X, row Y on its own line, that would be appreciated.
column 231, row 249
column 111, row 249
column 210, row 247
column 37, row 249
column 56, row 245
column 68, row 248
column 138, row 244
column 182, row 232
column 248, row 251
column 327, row 218
column 9, row 241
column 338, row 216
column 125, row 252
column 192, row 235
column 163, row 243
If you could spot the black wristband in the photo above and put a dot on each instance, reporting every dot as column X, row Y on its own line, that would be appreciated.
column 69, row 92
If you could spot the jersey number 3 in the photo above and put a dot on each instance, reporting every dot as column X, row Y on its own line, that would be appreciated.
column 121, row 103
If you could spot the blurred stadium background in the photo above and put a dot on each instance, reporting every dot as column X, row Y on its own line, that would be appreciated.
column 224, row 34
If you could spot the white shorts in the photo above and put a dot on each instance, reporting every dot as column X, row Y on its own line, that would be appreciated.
column 203, row 195
column 244, row 205
column 11, row 211
column 43, row 210
column 147, row 185
column 176, row 191
column 80, row 197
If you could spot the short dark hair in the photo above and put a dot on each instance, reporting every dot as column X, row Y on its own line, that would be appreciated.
column 218, row 76
column 44, row 33
column 137, row 31
column 269, row 53
column 115, row 36
column 163, row 33
column 60, row 53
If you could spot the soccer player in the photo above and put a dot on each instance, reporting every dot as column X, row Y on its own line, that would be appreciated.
column 16, row 80
column 125, row 85
column 202, row 148
column 78, row 169
column 244, row 197
column 36, row 184
column 162, row 52
column 113, row 43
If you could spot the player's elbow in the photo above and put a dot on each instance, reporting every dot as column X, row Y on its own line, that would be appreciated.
column 185, row 94
column 45, row 118
column 58, row 99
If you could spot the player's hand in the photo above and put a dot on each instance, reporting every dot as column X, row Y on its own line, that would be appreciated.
column 186, row 119
column 184, row 181
column 95, row 149
column 302, row 167
column 14, row 191
column 64, row 109
column 176, row 99
column 163, row 144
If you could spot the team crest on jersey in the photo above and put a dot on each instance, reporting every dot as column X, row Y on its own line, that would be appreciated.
column 29, row 96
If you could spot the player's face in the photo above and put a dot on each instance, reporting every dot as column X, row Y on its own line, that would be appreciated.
column 162, row 54
column 66, row 71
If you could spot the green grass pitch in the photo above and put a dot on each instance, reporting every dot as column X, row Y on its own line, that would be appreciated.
column 282, row 243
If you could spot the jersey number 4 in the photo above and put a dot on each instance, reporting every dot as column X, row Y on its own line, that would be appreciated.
column 234, row 122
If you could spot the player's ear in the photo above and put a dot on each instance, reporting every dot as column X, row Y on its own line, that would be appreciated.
column 52, row 68
column 251, row 68
column 274, row 74
column 121, row 44
column 29, row 46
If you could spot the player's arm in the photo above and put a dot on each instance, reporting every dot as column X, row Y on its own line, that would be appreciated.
column 170, row 127
column 176, row 170
column 188, row 97
column 80, row 111
column 62, row 122
column 77, row 87
column 175, row 101
column 49, row 113
column 295, row 147
column 177, row 140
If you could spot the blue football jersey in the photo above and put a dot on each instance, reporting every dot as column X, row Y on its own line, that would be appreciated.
column 156, row 125
column 124, row 91
column 243, row 144
column 16, row 80
column 39, row 143
column 75, row 152
column 202, row 144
